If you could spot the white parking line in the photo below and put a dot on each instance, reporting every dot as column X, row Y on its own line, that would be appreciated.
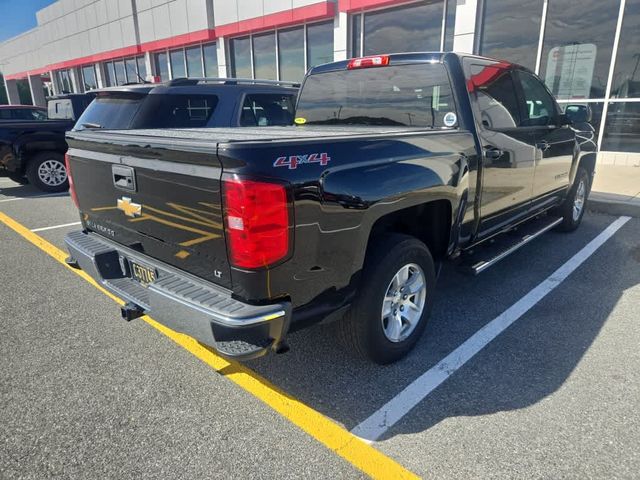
column 42, row 229
column 389, row 414
column 15, row 199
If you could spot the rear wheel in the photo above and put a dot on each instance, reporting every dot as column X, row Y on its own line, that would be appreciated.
column 572, row 210
column 393, row 304
column 47, row 172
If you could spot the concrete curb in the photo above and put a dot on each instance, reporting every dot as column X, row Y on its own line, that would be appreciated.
column 612, row 207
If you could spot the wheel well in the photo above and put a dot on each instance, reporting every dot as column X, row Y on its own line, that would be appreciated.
column 428, row 222
column 588, row 162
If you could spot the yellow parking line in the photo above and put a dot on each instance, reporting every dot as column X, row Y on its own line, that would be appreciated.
column 360, row 454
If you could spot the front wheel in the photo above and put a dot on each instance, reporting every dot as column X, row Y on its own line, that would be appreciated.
column 394, row 301
column 572, row 210
column 47, row 172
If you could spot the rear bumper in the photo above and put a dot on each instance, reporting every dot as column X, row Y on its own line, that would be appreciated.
column 182, row 302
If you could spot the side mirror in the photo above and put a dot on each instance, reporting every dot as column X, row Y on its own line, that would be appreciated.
column 578, row 113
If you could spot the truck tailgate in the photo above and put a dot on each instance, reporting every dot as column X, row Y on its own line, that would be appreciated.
column 162, row 202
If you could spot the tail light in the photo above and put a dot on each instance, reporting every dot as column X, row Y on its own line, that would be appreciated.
column 72, row 188
column 366, row 62
column 257, row 221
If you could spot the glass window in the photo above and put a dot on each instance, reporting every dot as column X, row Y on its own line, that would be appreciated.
column 240, row 54
column 177, row 64
column 577, row 47
column 120, row 72
column 210, row 60
column 494, row 94
column 111, row 111
column 264, row 56
column 450, row 24
column 175, row 111
column 265, row 110
column 29, row 114
column 319, row 44
column 89, row 77
column 406, row 29
column 511, row 30
column 194, row 62
column 162, row 68
column 291, row 53
column 111, row 74
column 407, row 95
column 132, row 72
column 622, row 130
column 356, row 35
column 540, row 108
column 142, row 68
column 626, row 77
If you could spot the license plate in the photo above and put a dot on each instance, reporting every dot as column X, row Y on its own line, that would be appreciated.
column 143, row 274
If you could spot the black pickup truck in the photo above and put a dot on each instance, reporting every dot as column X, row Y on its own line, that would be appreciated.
column 397, row 163
column 32, row 146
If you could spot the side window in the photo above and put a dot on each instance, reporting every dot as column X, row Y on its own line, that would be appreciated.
column 266, row 109
column 493, row 89
column 5, row 114
column 38, row 115
column 540, row 109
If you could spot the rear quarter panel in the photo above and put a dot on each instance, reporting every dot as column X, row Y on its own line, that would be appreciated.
column 336, row 205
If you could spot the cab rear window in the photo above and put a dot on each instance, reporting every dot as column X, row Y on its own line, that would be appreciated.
column 416, row 95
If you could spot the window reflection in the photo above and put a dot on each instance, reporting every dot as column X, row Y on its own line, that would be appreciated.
column 622, row 132
column 319, row 43
column 210, row 60
column 577, row 47
column 240, row 53
column 511, row 30
column 626, row 77
column 89, row 77
column 177, row 64
column 404, row 29
column 162, row 68
column 264, row 56
column 291, row 53
column 194, row 62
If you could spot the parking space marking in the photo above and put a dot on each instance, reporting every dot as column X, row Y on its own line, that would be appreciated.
column 15, row 199
column 358, row 453
column 43, row 229
column 395, row 409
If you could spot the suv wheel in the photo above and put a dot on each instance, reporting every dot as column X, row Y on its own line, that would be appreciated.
column 47, row 172
column 572, row 210
column 394, row 301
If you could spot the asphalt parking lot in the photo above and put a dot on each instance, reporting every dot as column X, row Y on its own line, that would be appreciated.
column 529, row 370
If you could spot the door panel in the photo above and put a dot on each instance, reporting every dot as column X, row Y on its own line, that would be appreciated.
column 508, row 150
column 555, row 145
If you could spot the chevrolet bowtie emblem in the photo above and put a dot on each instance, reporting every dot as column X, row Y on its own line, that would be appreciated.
column 129, row 208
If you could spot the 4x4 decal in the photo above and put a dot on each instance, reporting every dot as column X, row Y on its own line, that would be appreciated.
column 293, row 161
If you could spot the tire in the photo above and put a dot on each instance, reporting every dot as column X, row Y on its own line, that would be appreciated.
column 47, row 172
column 572, row 210
column 365, row 329
column 18, row 177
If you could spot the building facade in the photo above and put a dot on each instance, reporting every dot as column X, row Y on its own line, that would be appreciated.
column 585, row 50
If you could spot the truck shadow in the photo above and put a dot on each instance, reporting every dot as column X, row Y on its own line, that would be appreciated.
column 15, row 190
column 526, row 363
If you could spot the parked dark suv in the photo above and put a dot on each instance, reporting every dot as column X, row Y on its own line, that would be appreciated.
column 192, row 103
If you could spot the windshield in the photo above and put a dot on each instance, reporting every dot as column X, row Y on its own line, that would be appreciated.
column 416, row 95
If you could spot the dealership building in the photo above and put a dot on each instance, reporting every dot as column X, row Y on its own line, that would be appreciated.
column 587, row 51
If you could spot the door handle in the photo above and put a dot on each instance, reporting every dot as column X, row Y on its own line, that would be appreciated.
column 543, row 145
column 493, row 153
column 124, row 177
